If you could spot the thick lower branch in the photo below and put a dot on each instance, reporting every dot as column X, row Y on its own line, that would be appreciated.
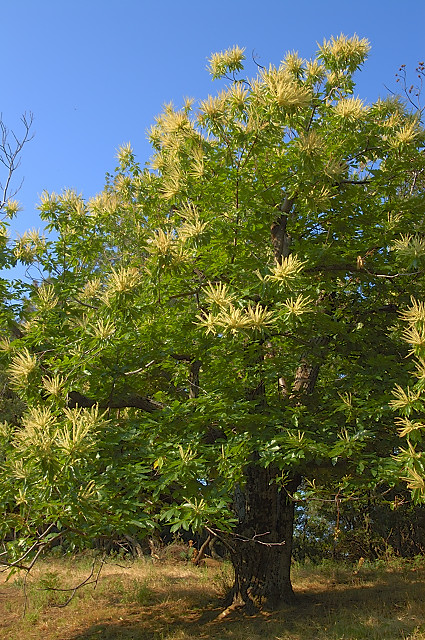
column 281, row 240
column 307, row 372
column 77, row 399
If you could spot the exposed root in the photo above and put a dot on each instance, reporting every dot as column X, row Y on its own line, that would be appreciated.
column 242, row 608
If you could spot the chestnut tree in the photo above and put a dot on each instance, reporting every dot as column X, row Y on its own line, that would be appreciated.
column 221, row 325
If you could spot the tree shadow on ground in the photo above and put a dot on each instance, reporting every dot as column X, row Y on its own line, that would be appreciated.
column 393, row 608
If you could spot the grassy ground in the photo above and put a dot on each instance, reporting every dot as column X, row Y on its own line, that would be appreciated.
column 177, row 601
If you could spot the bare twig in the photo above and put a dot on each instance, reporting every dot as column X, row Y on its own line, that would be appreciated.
column 239, row 538
column 85, row 582
column 412, row 89
column 254, row 57
column 10, row 155
column 39, row 546
column 130, row 373
column 198, row 557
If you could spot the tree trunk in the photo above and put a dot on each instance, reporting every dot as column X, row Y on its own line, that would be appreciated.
column 262, row 547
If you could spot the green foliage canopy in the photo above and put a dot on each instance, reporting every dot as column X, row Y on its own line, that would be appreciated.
column 236, row 297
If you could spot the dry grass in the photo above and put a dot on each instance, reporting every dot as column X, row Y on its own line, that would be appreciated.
column 176, row 601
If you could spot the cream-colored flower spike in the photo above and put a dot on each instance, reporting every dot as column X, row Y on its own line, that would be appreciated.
column 293, row 63
column 403, row 399
column 219, row 294
column 21, row 471
column 287, row 93
column 81, row 209
column 213, row 106
column 124, row 153
column 406, row 426
column 90, row 417
column 208, row 321
column 289, row 269
column 39, row 417
column 38, row 429
column 233, row 320
column 23, row 364
column 350, row 109
column 70, row 197
column 176, row 122
column 84, row 493
column 345, row 51
column 91, row 288
column 414, row 336
column 334, row 168
column 81, row 424
column 12, row 207
column 5, row 344
column 47, row 298
column 123, row 279
column 415, row 481
column 102, row 329
column 29, row 245
column 405, row 135
column 420, row 369
column 347, row 400
column 173, row 180
column 103, row 202
column 298, row 306
column 159, row 162
column 334, row 80
column 162, row 243
column 259, row 317
column 82, row 321
column 315, row 71
column 415, row 313
column 49, row 198
column 122, row 183
column 188, row 212
column 53, row 385
column 192, row 226
column 192, row 229
column 311, row 143
column 238, row 95
column 226, row 61
column 410, row 246
column 285, row 89
column 5, row 430
column 319, row 197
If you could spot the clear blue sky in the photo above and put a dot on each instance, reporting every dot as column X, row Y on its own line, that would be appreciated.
column 96, row 72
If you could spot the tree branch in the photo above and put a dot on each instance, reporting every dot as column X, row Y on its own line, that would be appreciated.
column 281, row 240
column 9, row 155
column 77, row 399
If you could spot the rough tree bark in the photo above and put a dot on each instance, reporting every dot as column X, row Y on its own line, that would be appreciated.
column 261, row 547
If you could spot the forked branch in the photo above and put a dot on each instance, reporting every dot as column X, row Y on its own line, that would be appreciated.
column 10, row 155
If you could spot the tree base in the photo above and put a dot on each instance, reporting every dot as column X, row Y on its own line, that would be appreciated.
column 261, row 548
column 251, row 607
